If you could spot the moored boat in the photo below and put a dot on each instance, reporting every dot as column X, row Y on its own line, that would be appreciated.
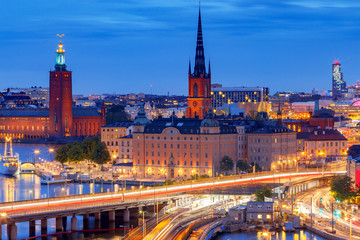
column 54, row 179
column 9, row 162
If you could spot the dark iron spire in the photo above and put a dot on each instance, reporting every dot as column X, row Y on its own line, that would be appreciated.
column 199, row 67
column 209, row 69
column 189, row 66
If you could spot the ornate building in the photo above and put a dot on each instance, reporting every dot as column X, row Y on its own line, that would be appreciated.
column 178, row 148
column 199, row 100
column 60, row 120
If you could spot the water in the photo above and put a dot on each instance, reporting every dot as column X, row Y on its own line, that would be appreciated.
column 27, row 187
column 27, row 151
column 298, row 235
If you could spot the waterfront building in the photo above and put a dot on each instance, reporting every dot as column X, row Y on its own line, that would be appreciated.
column 126, row 149
column 199, row 100
column 61, row 119
column 226, row 95
column 112, row 135
column 338, row 83
column 178, row 148
column 260, row 212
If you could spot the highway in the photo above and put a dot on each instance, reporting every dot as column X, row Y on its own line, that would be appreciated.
column 322, row 212
column 42, row 206
column 180, row 225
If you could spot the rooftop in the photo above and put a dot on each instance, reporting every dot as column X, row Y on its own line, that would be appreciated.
column 120, row 124
column 321, row 135
column 184, row 125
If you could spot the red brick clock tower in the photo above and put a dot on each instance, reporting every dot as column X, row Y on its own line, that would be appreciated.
column 60, row 102
column 199, row 100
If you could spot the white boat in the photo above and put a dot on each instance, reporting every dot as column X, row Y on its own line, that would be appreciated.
column 9, row 162
column 56, row 179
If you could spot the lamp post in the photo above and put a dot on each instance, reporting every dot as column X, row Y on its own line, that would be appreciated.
column 144, row 226
column 351, row 219
column 51, row 150
column 35, row 153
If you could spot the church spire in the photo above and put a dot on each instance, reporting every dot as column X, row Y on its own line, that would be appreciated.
column 189, row 66
column 209, row 69
column 199, row 67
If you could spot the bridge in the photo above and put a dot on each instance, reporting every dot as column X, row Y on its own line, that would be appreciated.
column 94, row 204
column 27, row 167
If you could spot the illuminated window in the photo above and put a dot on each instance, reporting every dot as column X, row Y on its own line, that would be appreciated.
column 259, row 216
column 268, row 216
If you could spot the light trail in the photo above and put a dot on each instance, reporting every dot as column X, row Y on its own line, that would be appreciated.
column 12, row 208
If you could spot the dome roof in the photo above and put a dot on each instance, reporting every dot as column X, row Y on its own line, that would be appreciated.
column 141, row 119
column 210, row 120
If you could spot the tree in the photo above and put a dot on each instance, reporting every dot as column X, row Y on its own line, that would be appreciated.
column 341, row 188
column 226, row 164
column 75, row 153
column 257, row 167
column 100, row 155
column 88, row 145
column 117, row 114
column 241, row 165
column 62, row 154
column 260, row 194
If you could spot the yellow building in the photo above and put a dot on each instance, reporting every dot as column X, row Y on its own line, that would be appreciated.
column 178, row 148
column 112, row 135
column 321, row 143
column 272, row 146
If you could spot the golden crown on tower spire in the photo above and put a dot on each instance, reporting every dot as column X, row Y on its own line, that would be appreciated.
column 60, row 44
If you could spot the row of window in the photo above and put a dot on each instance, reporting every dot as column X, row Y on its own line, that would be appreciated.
column 275, row 140
column 178, row 146
column 185, row 138
column 328, row 144
column 17, row 127
column 117, row 144
column 191, row 163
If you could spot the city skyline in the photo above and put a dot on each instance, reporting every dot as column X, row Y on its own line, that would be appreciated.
column 277, row 44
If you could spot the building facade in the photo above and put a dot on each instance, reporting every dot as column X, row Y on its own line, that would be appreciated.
column 321, row 143
column 178, row 148
column 199, row 100
column 226, row 95
column 260, row 212
column 272, row 147
column 338, row 83
column 114, row 136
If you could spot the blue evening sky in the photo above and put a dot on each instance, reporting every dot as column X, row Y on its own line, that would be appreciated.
column 126, row 45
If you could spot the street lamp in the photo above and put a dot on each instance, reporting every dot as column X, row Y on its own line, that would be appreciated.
column 51, row 150
column 144, row 226
column 351, row 219
column 36, row 152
